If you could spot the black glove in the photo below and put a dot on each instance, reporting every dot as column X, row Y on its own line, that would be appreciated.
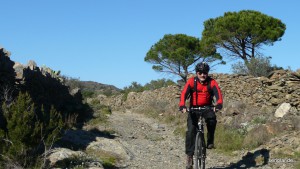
column 181, row 108
column 219, row 106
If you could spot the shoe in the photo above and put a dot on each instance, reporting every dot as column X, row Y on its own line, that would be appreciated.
column 210, row 146
column 189, row 162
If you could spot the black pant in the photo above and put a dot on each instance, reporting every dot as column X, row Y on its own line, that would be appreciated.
column 192, row 123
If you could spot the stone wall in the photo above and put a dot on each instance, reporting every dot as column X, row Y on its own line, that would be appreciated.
column 280, row 87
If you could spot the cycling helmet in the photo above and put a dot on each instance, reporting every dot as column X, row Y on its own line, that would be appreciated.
column 202, row 67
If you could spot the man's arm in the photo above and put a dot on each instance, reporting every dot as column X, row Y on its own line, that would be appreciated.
column 218, row 95
column 184, row 95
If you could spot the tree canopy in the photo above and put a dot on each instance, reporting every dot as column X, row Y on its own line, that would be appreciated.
column 174, row 54
column 241, row 34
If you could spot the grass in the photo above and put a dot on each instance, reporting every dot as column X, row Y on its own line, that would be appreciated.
column 73, row 162
column 228, row 140
column 108, row 160
column 180, row 131
column 295, row 156
column 256, row 137
column 101, row 113
column 259, row 120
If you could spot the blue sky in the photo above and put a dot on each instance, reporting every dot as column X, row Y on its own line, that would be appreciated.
column 106, row 40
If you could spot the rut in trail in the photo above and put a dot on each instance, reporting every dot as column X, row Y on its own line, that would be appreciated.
column 151, row 144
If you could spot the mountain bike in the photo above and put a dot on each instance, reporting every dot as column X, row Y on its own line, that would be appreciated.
column 200, row 146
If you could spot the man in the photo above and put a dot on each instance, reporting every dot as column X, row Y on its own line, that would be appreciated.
column 201, row 90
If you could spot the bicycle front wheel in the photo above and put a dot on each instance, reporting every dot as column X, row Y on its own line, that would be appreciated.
column 200, row 152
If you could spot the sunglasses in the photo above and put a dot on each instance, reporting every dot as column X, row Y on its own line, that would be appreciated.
column 203, row 73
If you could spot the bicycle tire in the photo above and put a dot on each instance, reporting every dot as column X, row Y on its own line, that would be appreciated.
column 200, row 152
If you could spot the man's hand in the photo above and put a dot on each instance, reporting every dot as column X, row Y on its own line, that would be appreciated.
column 217, row 108
column 183, row 109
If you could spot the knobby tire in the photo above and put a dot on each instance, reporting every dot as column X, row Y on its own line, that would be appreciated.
column 200, row 152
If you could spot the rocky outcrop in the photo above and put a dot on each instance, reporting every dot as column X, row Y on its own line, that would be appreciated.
column 60, row 156
column 45, row 86
column 31, row 65
column 7, row 73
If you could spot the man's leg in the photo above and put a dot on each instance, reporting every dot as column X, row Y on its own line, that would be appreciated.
column 190, row 139
column 211, row 127
column 211, row 122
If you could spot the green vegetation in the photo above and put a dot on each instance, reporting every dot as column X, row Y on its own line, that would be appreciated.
column 283, row 155
column 175, row 54
column 72, row 82
column 259, row 66
column 241, row 34
column 297, row 157
column 152, row 85
column 101, row 113
column 180, row 130
column 30, row 132
column 259, row 120
column 256, row 137
column 108, row 160
column 228, row 139
column 87, row 94
column 156, row 84
column 76, row 162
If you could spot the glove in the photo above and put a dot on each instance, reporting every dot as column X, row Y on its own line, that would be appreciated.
column 181, row 108
column 219, row 106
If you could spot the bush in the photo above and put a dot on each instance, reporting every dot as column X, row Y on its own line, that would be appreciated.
column 30, row 132
column 88, row 94
column 259, row 66
column 228, row 139
column 72, row 82
column 256, row 137
column 134, row 87
column 156, row 84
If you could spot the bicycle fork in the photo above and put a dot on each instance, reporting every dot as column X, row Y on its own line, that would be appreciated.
column 201, row 132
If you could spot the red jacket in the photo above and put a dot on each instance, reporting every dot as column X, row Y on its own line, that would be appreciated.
column 204, row 96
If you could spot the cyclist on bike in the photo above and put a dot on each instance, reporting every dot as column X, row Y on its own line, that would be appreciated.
column 201, row 90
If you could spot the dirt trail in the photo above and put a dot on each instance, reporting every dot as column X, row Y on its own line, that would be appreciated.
column 152, row 145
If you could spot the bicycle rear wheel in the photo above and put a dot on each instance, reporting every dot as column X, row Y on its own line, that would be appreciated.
column 200, row 152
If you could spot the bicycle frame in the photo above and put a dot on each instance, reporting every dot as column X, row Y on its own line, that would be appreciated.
column 200, row 145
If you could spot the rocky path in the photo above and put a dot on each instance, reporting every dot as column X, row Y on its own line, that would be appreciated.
column 152, row 145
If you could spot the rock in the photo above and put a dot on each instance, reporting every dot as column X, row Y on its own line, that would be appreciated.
column 109, row 146
column 282, row 110
column 31, row 65
column 60, row 154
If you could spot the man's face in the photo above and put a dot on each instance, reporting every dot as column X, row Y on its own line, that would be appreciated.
column 202, row 76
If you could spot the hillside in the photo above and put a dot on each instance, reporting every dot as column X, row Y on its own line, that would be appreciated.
column 257, row 128
column 99, row 88
column 262, row 111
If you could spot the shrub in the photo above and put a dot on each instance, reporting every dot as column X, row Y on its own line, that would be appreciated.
column 87, row 94
column 259, row 66
column 259, row 120
column 72, row 82
column 256, row 137
column 228, row 139
column 30, row 133
column 134, row 87
column 156, row 84
column 239, row 68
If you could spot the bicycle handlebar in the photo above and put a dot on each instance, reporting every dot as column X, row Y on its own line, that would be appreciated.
column 200, row 108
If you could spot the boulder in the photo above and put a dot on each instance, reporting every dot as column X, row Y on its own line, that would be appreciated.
column 283, row 109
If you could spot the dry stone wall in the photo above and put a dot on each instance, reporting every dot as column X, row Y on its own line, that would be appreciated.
column 280, row 87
